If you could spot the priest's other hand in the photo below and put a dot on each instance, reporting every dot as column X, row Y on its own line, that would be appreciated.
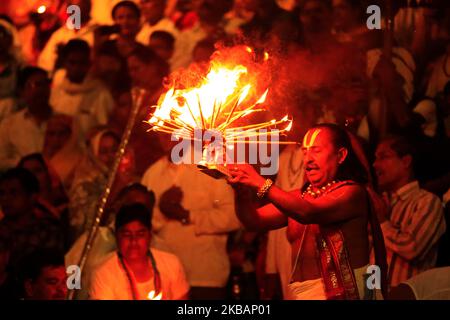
column 170, row 204
column 245, row 174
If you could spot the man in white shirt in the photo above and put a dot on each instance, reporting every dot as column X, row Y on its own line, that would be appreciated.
column 61, row 36
column 23, row 132
column 415, row 221
column 279, row 253
column 153, row 13
column 136, row 272
column 193, row 215
column 210, row 26
column 78, row 95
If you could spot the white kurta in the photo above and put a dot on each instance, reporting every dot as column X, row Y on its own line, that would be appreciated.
column 61, row 36
column 166, row 25
column 279, row 252
column 89, row 102
column 163, row 25
column 201, row 245
column 110, row 282
column 185, row 46
column 20, row 136
column 433, row 284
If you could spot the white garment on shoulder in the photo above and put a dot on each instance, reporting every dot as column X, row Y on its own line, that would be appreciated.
column 109, row 281
column 164, row 24
column 433, row 284
column 279, row 251
column 188, row 39
column 89, row 102
column 201, row 245
column 20, row 136
column 104, row 244
column 48, row 56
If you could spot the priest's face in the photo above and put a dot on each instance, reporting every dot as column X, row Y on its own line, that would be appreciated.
column 321, row 157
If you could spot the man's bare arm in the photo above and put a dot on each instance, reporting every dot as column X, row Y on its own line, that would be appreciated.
column 330, row 208
column 255, row 218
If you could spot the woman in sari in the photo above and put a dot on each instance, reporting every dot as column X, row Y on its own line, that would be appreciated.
column 91, row 177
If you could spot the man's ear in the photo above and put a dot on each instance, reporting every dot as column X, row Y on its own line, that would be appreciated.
column 28, row 287
column 407, row 161
column 342, row 155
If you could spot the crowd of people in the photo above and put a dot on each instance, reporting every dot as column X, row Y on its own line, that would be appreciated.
column 170, row 231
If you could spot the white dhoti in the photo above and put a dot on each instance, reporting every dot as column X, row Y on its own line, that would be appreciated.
column 307, row 290
column 315, row 289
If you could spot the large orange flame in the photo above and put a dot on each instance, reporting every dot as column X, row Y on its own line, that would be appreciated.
column 224, row 96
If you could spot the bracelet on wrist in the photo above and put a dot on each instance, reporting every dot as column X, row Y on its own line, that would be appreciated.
column 262, row 191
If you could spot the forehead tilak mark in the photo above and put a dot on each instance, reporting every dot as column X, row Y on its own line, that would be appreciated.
column 313, row 138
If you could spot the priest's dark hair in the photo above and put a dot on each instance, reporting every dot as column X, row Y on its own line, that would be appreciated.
column 352, row 168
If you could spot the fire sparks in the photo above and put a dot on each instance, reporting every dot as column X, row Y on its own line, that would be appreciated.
column 220, row 102
column 153, row 296
column 41, row 9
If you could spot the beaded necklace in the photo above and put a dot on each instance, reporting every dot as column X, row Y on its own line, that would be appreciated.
column 156, row 276
column 319, row 192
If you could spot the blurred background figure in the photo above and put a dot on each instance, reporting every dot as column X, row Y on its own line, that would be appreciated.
column 62, row 149
column 26, row 223
column 79, row 95
column 154, row 18
column 147, row 71
column 433, row 284
column 9, row 72
column 43, row 276
column 121, row 36
column 90, row 180
column 193, row 221
column 8, row 285
column 23, row 132
column 209, row 26
column 203, row 51
column 49, row 55
column 51, row 191
column 163, row 43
